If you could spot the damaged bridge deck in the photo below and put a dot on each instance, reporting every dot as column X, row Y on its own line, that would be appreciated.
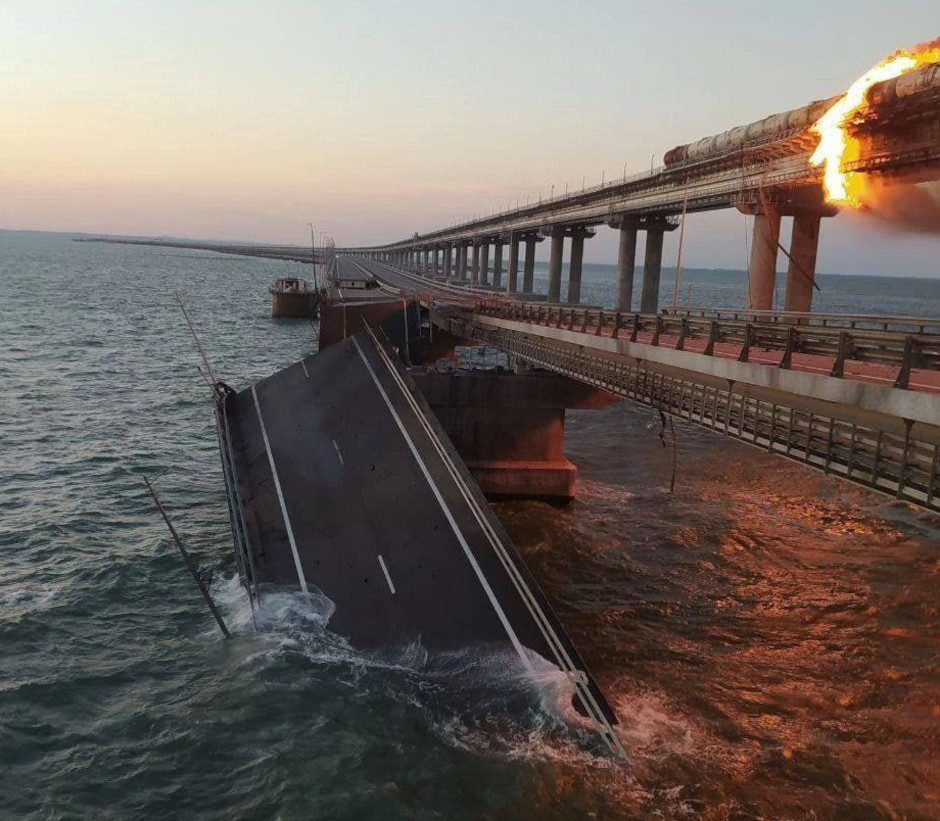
column 346, row 484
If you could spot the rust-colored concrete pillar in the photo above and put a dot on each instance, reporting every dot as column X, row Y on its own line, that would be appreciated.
column 528, row 269
column 802, row 270
column 652, row 266
column 762, row 270
column 554, row 266
column 513, row 275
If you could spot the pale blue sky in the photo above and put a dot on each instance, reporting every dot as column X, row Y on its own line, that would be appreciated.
column 247, row 119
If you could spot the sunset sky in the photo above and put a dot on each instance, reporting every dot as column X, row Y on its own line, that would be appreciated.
column 373, row 119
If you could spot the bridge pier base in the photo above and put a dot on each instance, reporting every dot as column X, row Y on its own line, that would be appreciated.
column 509, row 428
column 652, row 266
column 801, row 273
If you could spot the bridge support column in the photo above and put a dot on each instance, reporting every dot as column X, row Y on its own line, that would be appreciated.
column 475, row 269
column 435, row 256
column 762, row 269
column 447, row 256
column 802, row 270
column 554, row 266
column 626, row 264
column 652, row 266
column 578, row 236
column 484, row 263
column 461, row 263
column 528, row 270
column 497, row 264
column 513, row 275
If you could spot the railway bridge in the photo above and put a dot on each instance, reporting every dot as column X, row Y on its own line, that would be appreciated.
column 762, row 169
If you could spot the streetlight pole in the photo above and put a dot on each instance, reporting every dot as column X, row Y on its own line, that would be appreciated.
column 313, row 257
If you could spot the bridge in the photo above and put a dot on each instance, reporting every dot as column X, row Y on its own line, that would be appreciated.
column 762, row 169
column 857, row 397
column 854, row 396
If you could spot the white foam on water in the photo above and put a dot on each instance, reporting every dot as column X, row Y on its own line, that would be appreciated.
column 16, row 602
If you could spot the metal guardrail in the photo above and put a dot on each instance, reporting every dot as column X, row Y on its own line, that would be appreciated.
column 903, row 324
column 903, row 466
column 904, row 350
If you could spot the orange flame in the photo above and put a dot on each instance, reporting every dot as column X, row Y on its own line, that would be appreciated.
column 836, row 144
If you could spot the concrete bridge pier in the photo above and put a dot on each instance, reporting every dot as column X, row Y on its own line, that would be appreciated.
column 513, row 274
column 498, row 263
column 578, row 235
column 762, row 267
column 461, row 262
column 626, row 262
column 652, row 264
column 554, row 264
column 484, row 262
column 801, row 272
column 528, row 270
column 447, row 262
column 475, row 270
column 436, row 263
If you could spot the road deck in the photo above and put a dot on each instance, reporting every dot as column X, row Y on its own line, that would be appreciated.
column 350, row 487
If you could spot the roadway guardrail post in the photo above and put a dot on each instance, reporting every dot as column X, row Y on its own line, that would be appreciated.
column 844, row 352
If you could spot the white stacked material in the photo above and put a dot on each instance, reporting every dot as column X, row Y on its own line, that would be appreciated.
column 480, row 358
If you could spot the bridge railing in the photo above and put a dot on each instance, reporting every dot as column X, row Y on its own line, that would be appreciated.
column 901, row 324
column 903, row 344
column 901, row 461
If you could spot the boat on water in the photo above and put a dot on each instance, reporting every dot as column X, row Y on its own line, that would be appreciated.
column 294, row 298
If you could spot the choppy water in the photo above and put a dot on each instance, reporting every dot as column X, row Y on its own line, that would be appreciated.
column 769, row 636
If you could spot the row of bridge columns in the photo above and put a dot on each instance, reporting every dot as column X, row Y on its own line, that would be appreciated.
column 451, row 259
column 469, row 260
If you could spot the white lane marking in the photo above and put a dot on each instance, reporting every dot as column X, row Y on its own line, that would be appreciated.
column 339, row 454
column 450, row 517
column 304, row 366
column 558, row 648
column 280, row 494
column 385, row 571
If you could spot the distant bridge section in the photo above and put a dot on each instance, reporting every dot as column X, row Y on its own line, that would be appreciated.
column 762, row 169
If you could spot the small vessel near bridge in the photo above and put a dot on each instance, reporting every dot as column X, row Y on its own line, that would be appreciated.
column 294, row 298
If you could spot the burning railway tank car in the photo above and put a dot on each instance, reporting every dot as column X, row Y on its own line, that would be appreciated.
column 783, row 126
column 923, row 80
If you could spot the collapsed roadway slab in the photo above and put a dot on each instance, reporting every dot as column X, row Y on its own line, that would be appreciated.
column 342, row 481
